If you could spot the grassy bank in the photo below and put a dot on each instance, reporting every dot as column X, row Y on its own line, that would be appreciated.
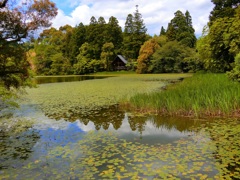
column 200, row 95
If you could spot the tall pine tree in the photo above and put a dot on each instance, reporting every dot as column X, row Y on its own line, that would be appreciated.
column 114, row 34
column 180, row 28
column 163, row 31
column 134, row 35
column 77, row 39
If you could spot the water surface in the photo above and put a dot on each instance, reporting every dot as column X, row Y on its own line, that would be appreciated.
column 57, row 79
column 61, row 146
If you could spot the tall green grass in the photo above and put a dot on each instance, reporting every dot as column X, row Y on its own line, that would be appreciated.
column 200, row 95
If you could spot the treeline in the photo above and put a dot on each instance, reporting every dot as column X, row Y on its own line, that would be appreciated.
column 177, row 50
column 89, row 48
column 173, row 50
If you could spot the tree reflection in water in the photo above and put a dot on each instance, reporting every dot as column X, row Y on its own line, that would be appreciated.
column 113, row 115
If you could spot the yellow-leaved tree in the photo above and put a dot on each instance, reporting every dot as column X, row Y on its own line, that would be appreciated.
column 145, row 53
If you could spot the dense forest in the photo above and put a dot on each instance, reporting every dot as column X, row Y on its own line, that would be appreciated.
column 89, row 48
column 92, row 48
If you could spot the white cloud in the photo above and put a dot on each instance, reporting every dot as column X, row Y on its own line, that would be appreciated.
column 156, row 13
column 81, row 14
column 62, row 20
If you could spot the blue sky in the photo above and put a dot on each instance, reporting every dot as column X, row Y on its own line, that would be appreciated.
column 156, row 13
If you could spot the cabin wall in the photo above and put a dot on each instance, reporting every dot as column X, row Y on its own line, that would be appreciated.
column 117, row 65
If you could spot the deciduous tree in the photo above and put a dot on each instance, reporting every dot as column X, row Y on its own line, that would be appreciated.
column 223, row 8
column 171, row 57
column 146, row 51
column 234, row 74
column 18, row 21
column 107, row 55
column 222, row 43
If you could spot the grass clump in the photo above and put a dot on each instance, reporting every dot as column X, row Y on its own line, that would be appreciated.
column 200, row 95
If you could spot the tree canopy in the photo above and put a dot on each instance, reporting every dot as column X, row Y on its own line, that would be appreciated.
column 223, row 8
column 173, row 50
column 68, row 41
column 134, row 35
column 18, row 22
column 221, row 44
column 180, row 28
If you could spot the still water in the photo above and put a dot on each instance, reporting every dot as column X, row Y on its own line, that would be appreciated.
column 61, row 147
column 58, row 79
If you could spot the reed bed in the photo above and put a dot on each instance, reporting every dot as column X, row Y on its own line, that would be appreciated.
column 200, row 95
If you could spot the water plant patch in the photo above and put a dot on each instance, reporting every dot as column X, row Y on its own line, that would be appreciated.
column 72, row 99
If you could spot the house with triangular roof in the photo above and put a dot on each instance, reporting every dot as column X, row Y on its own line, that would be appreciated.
column 119, row 63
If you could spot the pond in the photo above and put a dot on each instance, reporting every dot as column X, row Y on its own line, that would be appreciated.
column 57, row 79
column 104, row 143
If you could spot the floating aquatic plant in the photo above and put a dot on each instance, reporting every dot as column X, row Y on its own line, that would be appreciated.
column 225, row 136
column 105, row 156
column 212, row 153
column 72, row 99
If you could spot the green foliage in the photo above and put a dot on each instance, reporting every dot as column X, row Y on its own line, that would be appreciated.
column 220, row 58
column 60, row 65
column 99, row 33
column 7, row 99
column 235, row 73
column 88, row 96
column 14, row 67
column 163, row 31
column 219, row 47
column 201, row 95
column 77, row 39
column 67, row 33
column 52, row 51
column 67, row 41
column 225, row 139
column 173, row 57
column 223, row 8
column 203, row 49
column 95, row 34
column 55, row 47
column 114, row 34
column 134, row 35
column 107, row 55
column 171, row 53
column 180, row 29
column 84, row 63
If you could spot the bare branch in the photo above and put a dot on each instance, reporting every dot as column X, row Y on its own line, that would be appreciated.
column 3, row 3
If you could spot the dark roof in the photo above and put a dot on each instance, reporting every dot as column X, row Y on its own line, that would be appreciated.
column 122, row 58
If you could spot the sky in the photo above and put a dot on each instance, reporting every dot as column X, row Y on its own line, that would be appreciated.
column 155, row 13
